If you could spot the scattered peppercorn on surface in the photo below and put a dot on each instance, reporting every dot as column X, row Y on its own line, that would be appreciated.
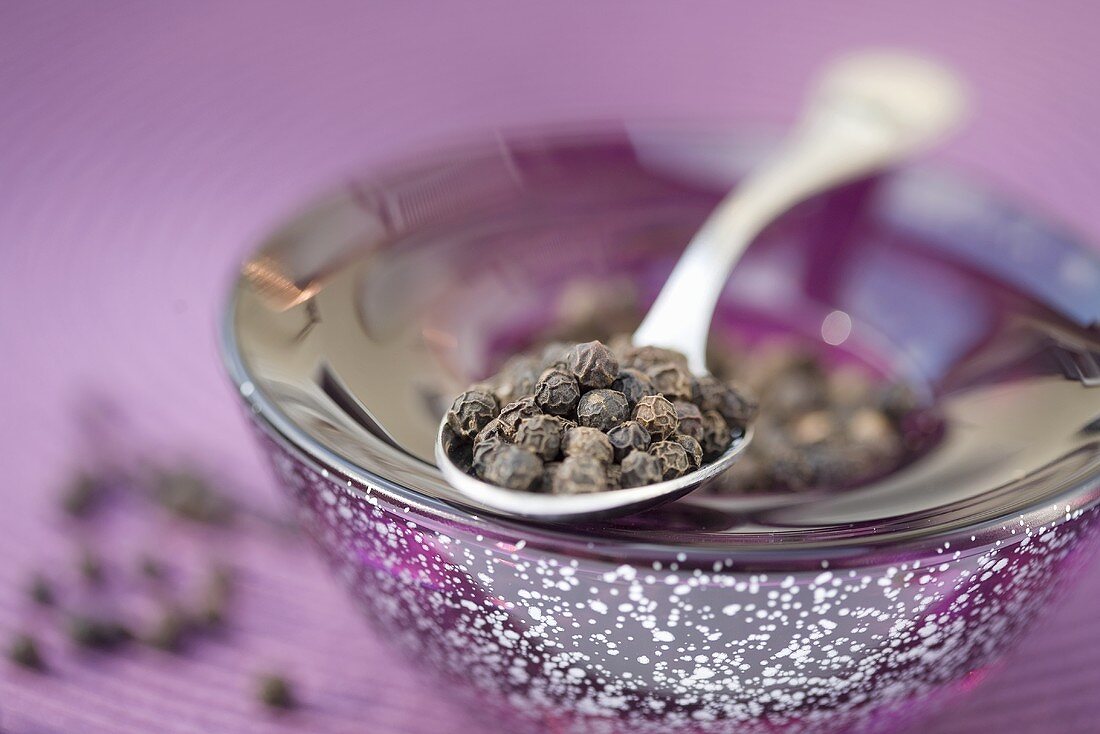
column 589, row 417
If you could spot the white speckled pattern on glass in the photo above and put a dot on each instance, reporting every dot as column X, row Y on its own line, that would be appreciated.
column 856, row 611
column 597, row 644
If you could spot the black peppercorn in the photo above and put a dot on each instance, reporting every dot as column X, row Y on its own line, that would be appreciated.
column 190, row 495
column 640, row 469
column 90, row 566
column 793, row 393
column 706, row 392
column 593, row 364
column 626, row 437
column 557, row 392
column 692, row 448
column 833, row 465
column 151, row 567
column 634, row 384
column 771, row 437
column 215, row 597
column 555, row 355
column 210, row 615
column 602, row 409
column 470, row 412
column 614, row 476
column 812, row 428
column 671, row 380
column 657, row 416
column 716, row 434
column 871, row 430
column 747, row 475
column 691, row 420
column 565, row 424
column 24, row 652
column 789, row 468
column 512, row 467
column 773, row 360
column 580, row 475
column 592, row 443
column 494, row 429
column 513, row 413
column 169, row 632
column 596, row 306
column 41, row 591
column 100, row 634
column 542, row 435
column 848, row 386
column 642, row 358
column 275, row 692
column 674, row 459
column 84, row 495
column 549, row 471
column 458, row 450
column 517, row 378
column 896, row 400
column 737, row 406
column 479, row 458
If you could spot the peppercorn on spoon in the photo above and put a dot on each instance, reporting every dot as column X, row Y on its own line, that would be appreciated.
column 867, row 112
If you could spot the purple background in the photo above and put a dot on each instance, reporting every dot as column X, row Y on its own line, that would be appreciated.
column 144, row 148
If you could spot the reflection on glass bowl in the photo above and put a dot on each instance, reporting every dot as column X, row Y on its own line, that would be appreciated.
column 856, row 611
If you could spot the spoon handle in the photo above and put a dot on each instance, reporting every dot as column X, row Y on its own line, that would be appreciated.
column 867, row 112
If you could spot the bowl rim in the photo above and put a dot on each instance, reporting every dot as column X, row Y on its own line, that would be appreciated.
column 812, row 547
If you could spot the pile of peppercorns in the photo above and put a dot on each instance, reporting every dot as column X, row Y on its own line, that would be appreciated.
column 588, row 418
column 820, row 425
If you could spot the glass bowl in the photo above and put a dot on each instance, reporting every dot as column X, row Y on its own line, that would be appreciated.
column 855, row 610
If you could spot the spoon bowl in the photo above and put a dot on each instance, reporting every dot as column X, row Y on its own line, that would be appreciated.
column 563, row 507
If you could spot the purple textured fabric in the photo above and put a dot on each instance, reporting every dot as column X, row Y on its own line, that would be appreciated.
column 144, row 148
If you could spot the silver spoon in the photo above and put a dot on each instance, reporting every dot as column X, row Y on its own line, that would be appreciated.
column 868, row 111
